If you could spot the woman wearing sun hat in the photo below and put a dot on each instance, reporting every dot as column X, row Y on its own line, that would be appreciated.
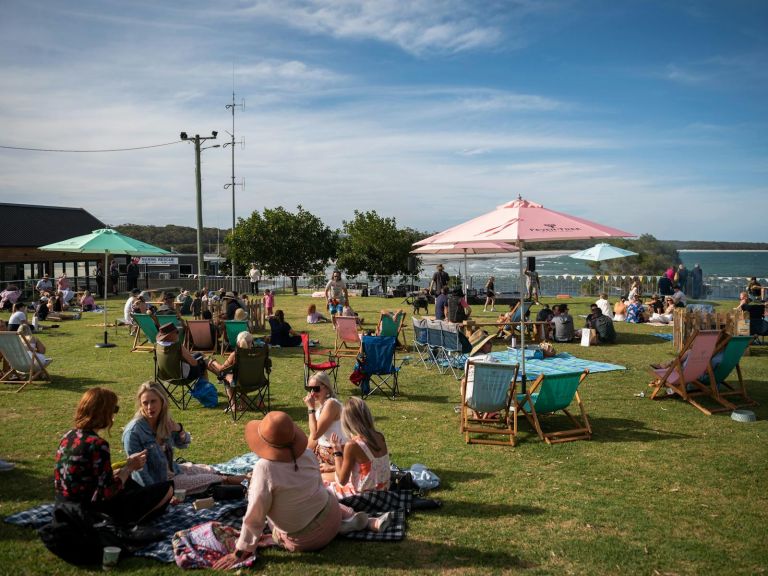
column 287, row 491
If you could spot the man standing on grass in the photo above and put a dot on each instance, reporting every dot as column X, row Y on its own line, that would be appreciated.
column 439, row 280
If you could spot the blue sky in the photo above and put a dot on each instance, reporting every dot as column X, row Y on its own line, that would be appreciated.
column 647, row 116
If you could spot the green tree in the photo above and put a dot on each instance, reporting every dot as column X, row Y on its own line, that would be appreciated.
column 654, row 257
column 374, row 245
column 283, row 243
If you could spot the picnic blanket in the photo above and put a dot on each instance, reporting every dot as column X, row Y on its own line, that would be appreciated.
column 558, row 364
column 663, row 335
column 184, row 516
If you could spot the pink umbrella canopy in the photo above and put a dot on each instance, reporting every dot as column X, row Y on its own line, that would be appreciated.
column 521, row 220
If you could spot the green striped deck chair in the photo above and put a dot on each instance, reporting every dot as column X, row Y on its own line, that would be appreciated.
column 725, row 360
column 553, row 393
column 233, row 328
column 392, row 324
column 20, row 365
column 487, row 392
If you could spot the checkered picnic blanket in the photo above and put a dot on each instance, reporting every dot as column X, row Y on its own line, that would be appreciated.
column 559, row 364
column 179, row 517
column 375, row 504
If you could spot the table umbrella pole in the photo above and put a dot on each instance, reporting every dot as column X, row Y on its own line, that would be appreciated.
column 105, row 344
column 522, row 318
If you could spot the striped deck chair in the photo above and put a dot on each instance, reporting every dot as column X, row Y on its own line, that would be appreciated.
column 553, row 393
column 20, row 364
column 232, row 328
column 436, row 349
column 725, row 360
column 146, row 334
column 347, row 342
column 521, row 309
column 486, row 399
column 392, row 324
column 201, row 335
column 682, row 376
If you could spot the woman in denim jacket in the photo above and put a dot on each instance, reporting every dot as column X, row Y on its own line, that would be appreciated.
column 154, row 430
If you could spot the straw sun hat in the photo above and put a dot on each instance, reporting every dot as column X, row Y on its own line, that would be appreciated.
column 478, row 339
column 276, row 438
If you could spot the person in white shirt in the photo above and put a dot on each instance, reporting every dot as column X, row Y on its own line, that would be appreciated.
column 604, row 305
column 128, row 308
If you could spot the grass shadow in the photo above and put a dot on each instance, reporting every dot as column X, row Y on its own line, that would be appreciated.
column 603, row 430
column 640, row 338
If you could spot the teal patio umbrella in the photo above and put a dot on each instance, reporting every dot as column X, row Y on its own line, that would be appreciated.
column 601, row 252
column 105, row 241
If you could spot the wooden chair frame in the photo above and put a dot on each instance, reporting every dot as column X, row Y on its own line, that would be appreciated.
column 475, row 426
column 20, row 364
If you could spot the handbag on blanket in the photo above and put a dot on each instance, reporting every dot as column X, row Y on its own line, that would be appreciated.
column 202, row 545
column 548, row 349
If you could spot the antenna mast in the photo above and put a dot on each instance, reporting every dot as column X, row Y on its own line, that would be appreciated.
column 233, row 184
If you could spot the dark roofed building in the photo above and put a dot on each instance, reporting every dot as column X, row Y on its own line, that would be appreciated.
column 24, row 227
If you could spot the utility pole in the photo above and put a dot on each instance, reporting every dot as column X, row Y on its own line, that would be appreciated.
column 233, row 184
column 199, row 201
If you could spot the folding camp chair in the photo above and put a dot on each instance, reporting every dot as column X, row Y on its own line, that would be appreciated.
column 330, row 365
column 456, row 346
column 392, row 324
column 377, row 361
column 20, row 364
column 250, row 381
column 725, row 359
column 435, row 339
column 486, row 398
column 421, row 341
column 682, row 377
column 347, row 338
column 553, row 393
column 169, row 373
column 201, row 335
column 232, row 328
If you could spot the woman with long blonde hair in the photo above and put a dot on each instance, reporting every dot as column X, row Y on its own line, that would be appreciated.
column 153, row 429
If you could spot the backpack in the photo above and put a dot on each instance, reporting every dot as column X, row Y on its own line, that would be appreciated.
column 456, row 311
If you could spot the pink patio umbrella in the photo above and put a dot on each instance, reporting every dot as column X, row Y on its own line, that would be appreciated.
column 518, row 222
column 486, row 247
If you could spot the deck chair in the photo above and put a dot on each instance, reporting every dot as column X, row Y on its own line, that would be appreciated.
column 232, row 328
column 146, row 335
column 20, row 364
column 489, row 389
column 521, row 310
column 201, row 335
column 347, row 338
column 330, row 364
column 553, row 393
column 682, row 377
column 392, row 324
column 169, row 373
column 726, row 358
column 421, row 341
column 377, row 361
column 456, row 347
column 250, row 381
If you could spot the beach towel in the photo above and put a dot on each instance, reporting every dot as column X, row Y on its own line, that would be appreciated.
column 559, row 364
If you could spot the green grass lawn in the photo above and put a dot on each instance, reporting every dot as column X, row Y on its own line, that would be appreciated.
column 660, row 489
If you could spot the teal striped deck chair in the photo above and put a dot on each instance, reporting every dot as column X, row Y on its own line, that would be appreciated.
column 487, row 393
column 392, row 324
column 233, row 328
column 550, row 394
column 725, row 360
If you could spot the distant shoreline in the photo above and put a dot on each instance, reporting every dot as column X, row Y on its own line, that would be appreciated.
column 700, row 250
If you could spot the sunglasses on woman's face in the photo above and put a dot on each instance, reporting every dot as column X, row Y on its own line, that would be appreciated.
column 314, row 389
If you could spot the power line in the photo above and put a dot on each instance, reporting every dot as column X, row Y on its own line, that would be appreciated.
column 89, row 151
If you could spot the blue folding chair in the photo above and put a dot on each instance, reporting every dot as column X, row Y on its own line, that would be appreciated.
column 435, row 340
column 421, row 341
column 377, row 361
column 456, row 347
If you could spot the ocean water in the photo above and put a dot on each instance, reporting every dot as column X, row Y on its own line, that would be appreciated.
column 722, row 263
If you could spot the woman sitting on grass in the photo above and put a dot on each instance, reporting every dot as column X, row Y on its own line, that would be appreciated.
column 324, row 419
column 282, row 333
column 154, row 430
column 620, row 310
column 87, row 303
column 362, row 464
column 83, row 472
column 287, row 492
column 313, row 316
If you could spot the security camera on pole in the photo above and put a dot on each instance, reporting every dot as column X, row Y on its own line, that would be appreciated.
column 199, row 202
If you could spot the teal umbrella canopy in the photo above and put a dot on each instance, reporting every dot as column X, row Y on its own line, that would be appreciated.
column 601, row 252
column 105, row 241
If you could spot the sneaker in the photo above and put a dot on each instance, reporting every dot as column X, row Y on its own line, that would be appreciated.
column 358, row 522
column 381, row 523
column 6, row 466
